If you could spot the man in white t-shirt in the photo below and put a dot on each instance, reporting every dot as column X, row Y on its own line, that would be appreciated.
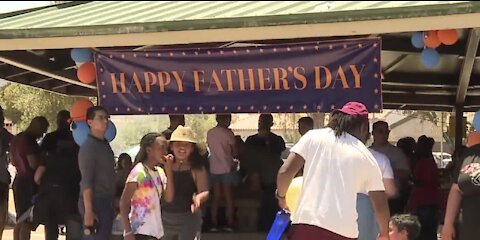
column 400, row 165
column 338, row 166
column 221, row 142
column 367, row 226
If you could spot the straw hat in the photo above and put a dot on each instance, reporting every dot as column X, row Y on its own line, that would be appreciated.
column 183, row 134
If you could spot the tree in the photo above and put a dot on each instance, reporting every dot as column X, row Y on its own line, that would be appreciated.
column 23, row 103
column 288, row 122
column 200, row 124
column 431, row 116
column 131, row 129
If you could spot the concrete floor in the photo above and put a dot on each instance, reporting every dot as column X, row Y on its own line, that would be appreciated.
column 39, row 234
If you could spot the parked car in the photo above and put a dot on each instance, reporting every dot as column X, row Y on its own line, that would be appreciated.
column 442, row 160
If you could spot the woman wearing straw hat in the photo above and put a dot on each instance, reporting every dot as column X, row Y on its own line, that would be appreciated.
column 182, row 218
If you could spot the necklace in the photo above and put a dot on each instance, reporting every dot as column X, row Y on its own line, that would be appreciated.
column 180, row 165
column 147, row 171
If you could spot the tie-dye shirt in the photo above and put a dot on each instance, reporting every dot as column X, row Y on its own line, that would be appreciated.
column 145, row 214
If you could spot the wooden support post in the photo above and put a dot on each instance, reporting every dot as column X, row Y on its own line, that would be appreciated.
column 459, row 128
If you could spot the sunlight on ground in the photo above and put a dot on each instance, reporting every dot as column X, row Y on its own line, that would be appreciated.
column 8, row 233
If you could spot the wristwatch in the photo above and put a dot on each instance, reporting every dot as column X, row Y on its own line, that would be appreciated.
column 278, row 196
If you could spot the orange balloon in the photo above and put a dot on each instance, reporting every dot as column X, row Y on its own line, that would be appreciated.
column 473, row 139
column 431, row 40
column 78, row 111
column 448, row 36
column 87, row 73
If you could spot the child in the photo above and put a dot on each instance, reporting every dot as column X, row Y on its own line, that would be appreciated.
column 146, row 185
column 404, row 227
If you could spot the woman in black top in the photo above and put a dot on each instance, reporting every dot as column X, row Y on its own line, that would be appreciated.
column 182, row 218
column 464, row 199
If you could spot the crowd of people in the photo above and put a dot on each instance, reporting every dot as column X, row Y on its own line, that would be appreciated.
column 350, row 190
column 341, row 172
column 158, row 195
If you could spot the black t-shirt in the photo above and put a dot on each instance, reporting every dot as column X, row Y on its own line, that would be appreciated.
column 61, row 159
column 264, row 156
column 468, row 180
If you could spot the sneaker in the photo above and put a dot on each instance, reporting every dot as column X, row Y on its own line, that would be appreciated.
column 213, row 229
column 227, row 229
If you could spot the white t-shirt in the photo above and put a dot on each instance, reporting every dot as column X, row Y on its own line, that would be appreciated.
column 145, row 215
column 383, row 164
column 336, row 170
column 220, row 141
column 398, row 159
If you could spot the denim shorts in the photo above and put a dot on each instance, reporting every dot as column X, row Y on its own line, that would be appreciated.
column 103, row 210
column 230, row 178
column 367, row 224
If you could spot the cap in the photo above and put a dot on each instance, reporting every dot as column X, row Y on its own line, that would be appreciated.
column 354, row 108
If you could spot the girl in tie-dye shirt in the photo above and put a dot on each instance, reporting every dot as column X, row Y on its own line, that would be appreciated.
column 145, row 186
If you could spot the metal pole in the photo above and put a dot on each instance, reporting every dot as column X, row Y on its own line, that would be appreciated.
column 458, row 126
column 441, row 139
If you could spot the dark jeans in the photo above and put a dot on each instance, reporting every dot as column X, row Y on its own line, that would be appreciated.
column 397, row 205
column 73, row 225
column 57, row 206
column 103, row 210
column 23, row 192
column 268, row 208
column 4, row 188
column 144, row 237
column 428, row 218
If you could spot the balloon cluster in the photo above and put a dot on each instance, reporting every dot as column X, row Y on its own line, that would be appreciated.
column 86, row 71
column 80, row 127
column 429, row 41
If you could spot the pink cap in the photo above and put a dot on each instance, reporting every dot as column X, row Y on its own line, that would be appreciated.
column 355, row 109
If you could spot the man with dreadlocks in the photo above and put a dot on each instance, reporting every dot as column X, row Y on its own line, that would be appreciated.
column 337, row 167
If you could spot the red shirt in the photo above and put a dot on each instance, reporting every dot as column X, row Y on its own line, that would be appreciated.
column 21, row 146
column 426, row 189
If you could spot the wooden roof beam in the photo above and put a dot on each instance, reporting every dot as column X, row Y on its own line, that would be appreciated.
column 467, row 66
column 45, row 72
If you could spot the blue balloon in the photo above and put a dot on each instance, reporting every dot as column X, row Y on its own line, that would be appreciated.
column 81, row 55
column 417, row 40
column 111, row 131
column 476, row 121
column 430, row 57
column 80, row 131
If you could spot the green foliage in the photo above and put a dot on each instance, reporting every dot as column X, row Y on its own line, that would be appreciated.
column 130, row 129
column 22, row 103
column 288, row 122
column 200, row 124
column 424, row 115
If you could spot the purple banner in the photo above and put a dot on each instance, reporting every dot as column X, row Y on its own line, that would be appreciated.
column 308, row 77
